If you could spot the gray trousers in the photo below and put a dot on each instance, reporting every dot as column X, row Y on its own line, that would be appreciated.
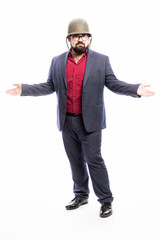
column 84, row 149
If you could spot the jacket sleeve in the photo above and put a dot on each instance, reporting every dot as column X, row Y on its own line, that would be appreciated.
column 117, row 86
column 40, row 89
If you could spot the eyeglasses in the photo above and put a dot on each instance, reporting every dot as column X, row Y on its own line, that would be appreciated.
column 76, row 37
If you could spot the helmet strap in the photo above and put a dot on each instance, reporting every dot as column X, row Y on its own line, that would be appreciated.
column 67, row 43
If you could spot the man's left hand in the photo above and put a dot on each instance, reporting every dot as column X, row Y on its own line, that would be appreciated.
column 144, row 92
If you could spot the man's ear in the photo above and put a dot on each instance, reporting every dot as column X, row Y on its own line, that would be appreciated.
column 69, row 38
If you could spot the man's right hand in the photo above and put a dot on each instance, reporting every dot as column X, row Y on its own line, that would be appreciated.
column 15, row 91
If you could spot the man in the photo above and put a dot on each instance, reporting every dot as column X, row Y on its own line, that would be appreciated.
column 78, row 77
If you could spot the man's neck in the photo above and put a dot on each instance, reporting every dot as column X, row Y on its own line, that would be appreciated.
column 76, row 56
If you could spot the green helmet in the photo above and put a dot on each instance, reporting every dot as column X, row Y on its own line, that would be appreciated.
column 77, row 26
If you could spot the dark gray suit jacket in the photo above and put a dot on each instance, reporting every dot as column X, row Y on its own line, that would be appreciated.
column 98, row 73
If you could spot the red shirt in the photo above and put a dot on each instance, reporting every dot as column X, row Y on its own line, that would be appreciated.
column 75, row 75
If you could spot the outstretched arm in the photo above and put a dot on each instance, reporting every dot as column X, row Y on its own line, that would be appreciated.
column 120, row 87
column 32, row 90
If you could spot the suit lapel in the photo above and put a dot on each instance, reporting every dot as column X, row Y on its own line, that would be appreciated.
column 64, row 65
column 88, row 66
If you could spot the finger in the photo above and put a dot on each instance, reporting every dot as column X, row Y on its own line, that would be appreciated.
column 146, row 85
column 16, row 85
column 12, row 92
column 9, row 91
column 149, row 93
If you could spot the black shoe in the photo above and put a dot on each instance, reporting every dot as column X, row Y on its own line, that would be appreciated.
column 76, row 203
column 106, row 210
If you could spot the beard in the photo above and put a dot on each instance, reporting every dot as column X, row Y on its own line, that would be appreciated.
column 80, row 49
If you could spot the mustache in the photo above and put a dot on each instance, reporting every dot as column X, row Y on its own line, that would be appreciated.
column 80, row 43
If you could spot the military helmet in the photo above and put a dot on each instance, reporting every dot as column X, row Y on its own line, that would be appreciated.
column 77, row 26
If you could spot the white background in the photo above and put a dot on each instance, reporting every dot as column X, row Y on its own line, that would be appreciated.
column 35, row 179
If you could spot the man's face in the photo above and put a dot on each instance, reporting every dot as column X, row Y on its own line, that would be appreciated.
column 79, row 42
